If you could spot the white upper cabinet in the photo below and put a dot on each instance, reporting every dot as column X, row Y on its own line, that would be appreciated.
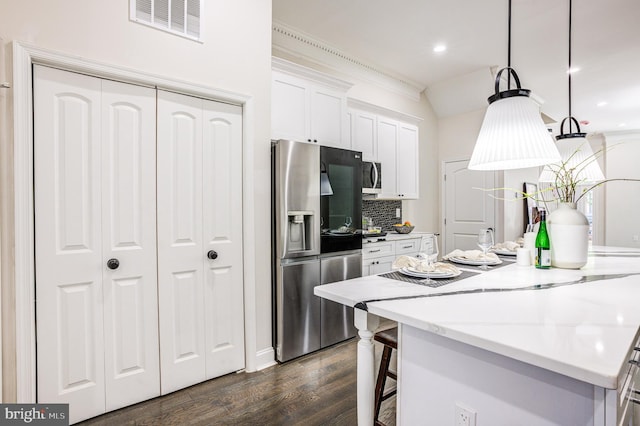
column 407, row 161
column 308, row 106
column 391, row 141
column 364, row 136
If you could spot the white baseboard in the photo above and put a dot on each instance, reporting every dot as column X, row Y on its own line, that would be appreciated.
column 265, row 358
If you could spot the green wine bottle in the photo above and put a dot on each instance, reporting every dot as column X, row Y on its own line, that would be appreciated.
column 543, row 245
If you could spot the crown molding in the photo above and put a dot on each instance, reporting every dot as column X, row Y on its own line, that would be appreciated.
column 293, row 42
column 288, row 67
column 377, row 109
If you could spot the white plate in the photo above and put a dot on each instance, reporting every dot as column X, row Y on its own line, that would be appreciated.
column 504, row 252
column 416, row 274
column 416, row 271
column 464, row 261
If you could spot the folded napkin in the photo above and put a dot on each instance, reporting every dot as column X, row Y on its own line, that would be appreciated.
column 472, row 255
column 507, row 245
column 421, row 265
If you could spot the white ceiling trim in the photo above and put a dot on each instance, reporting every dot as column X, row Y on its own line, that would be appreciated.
column 294, row 42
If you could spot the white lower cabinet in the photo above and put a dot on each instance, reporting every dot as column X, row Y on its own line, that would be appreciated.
column 113, row 258
column 378, row 257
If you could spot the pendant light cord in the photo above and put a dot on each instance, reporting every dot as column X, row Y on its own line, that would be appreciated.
column 569, row 71
column 509, row 49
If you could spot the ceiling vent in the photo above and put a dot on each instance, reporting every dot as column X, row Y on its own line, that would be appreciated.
column 181, row 17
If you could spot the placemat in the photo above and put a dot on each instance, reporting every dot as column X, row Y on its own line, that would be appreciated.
column 435, row 283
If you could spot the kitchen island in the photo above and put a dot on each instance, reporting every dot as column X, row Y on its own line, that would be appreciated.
column 514, row 344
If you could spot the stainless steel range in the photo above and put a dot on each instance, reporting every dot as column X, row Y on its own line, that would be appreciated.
column 317, row 240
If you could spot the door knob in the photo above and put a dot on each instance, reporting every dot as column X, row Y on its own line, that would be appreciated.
column 113, row 263
column 212, row 255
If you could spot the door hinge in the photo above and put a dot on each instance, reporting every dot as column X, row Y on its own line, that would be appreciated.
column 445, row 221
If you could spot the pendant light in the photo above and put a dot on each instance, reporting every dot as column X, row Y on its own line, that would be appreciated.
column 513, row 135
column 575, row 150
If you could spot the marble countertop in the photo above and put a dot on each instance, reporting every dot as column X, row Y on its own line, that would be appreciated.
column 580, row 323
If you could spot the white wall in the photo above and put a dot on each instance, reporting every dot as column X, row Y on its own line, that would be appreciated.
column 424, row 212
column 235, row 55
column 622, row 199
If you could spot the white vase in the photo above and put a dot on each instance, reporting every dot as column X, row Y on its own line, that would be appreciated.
column 569, row 237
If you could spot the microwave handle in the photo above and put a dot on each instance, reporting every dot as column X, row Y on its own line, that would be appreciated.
column 374, row 175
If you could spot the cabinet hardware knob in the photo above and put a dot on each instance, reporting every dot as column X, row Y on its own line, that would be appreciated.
column 212, row 254
column 113, row 263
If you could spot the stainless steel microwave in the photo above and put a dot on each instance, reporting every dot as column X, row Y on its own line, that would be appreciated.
column 371, row 177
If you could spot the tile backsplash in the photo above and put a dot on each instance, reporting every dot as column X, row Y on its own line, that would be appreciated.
column 382, row 212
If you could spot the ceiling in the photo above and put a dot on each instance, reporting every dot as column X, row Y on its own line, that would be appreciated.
column 399, row 36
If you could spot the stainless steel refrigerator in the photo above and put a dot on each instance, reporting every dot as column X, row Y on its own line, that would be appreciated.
column 302, row 322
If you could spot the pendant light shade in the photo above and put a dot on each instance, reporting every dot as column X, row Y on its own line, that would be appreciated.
column 513, row 135
column 577, row 158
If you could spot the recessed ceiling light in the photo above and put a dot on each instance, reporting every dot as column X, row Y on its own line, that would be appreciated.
column 439, row 48
column 601, row 103
column 622, row 124
column 573, row 70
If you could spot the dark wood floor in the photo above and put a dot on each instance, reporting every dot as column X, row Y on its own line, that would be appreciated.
column 318, row 389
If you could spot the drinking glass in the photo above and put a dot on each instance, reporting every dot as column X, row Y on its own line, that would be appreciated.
column 432, row 256
column 485, row 241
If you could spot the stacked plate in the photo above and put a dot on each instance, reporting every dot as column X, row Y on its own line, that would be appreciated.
column 412, row 272
column 474, row 262
column 503, row 252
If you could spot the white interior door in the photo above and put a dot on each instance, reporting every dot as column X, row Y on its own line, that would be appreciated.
column 467, row 208
column 69, row 261
column 199, row 239
column 181, row 250
column 94, row 176
column 132, row 370
column 222, row 202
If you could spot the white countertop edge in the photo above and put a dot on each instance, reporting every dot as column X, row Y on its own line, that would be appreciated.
column 607, row 380
column 604, row 375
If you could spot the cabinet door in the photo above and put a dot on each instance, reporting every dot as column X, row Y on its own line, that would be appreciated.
column 364, row 133
column 380, row 265
column 327, row 117
column 407, row 161
column 377, row 265
column 387, row 141
column 180, row 241
column 289, row 107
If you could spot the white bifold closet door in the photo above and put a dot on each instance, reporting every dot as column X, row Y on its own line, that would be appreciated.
column 95, row 198
column 199, row 239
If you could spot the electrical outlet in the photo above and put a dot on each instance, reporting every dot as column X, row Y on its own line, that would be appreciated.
column 464, row 416
column 398, row 213
column 635, row 238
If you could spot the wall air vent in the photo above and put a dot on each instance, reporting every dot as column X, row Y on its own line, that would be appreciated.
column 181, row 17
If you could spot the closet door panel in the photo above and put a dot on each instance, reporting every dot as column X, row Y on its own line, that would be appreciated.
column 67, row 192
column 132, row 370
column 222, row 201
column 180, row 246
